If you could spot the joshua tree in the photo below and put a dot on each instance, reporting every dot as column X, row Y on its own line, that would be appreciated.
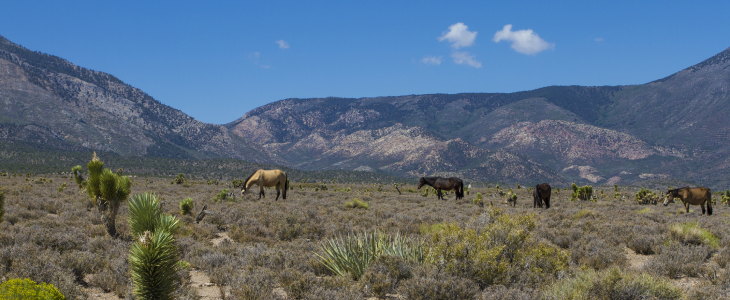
column 106, row 189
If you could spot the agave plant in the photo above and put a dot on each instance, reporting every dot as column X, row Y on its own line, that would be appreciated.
column 351, row 256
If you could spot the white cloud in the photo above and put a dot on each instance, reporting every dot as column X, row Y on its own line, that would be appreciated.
column 283, row 44
column 431, row 60
column 600, row 39
column 459, row 36
column 464, row 58
column 523, row 41
column 254, row 56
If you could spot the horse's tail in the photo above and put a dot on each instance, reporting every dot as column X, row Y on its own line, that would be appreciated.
column 286, row 184
column 461, row 190
column 709, row 203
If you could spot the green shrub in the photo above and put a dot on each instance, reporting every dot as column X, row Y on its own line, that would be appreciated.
column 223, row 195
column 612, row 284
column 645, row 196
column 499, row 253
column 691, row 233
column 26, row 289
column 357, row 203
column 179, row 179
column 349, row 257
column 384, row 274
column 426, row 229
column 581, row 193
column 186, row 206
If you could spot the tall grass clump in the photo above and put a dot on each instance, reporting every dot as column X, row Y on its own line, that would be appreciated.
column 153, row 258
column 497, row 250
column 106, row 189
column 26, row 289
column 691, row 233
column 612, row 284
column 350, row 256
column 357, row 203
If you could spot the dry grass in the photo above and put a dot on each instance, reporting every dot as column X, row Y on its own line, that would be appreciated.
column 56, row 237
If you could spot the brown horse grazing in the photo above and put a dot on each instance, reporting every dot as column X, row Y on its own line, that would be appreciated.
column 694, row 196
column 541, row 193
column 447, row 184
column 267, row 178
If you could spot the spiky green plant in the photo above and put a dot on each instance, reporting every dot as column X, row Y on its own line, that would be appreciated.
column 186, row 206
column 145, row 214
column 349, row 257
column 581, row 193
column 152, row 262
column 179, row 179
column 106, row 189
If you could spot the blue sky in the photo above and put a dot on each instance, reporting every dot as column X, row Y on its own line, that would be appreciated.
column 217, row 60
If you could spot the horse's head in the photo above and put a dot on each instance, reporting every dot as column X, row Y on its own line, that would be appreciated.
column 243, row 189
column 669, row 196
column 421, row 183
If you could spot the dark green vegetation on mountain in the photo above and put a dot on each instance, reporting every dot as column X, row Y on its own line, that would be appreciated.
column 669, row 129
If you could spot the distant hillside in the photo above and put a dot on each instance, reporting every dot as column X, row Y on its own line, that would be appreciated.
column 669, row 128
column 45, row 99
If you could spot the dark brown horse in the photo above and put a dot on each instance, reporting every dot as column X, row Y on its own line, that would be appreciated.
column 541, row 194
column 694, row 196
column 447, row 184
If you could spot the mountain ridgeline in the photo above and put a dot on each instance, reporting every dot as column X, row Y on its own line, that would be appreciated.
column 668, row 129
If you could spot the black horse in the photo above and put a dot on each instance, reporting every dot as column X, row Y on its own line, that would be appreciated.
column 541, row 193
column 439, row 183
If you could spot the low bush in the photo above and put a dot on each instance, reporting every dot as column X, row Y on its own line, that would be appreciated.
column 596, row 253
column 357, row 203
column 612, row 284
column 690, row 233
column 186, row 206
column 26, row 289
column 429, row 284
column 675, row 260
column 383, row 275
column 500, row 252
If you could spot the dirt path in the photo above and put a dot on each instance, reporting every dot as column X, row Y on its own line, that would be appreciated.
column 636, row 261
column 206, row 289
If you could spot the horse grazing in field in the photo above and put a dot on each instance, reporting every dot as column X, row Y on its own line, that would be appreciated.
column 447, row 184
column 267, row 178
column 541, row 193
column 694, row 196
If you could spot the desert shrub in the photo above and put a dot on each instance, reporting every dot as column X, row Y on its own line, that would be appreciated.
column 429, row 284
column 676, row 259
column 357, row 203
column 690, row 233
column 383, row 276
column 179, row 179
column 612, row 284
column 257, row 283
column 722, row 257
column 427, row 229
column 584, row 213
column 500, row 292
column 581, row 193
column 497, row 253
column 296, row 284
column 26, row 289
column 186, row 206
column 643, row 244
column 223, row 195
column 594, row 252
column 352, row 255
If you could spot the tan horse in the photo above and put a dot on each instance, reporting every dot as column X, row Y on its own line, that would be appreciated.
column 267, row 178
column 694, row 196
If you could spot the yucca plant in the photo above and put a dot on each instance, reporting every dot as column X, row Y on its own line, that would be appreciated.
column 106, row 189
column 351, row 256
column 186, row 206
column 153, row 257
column 152, row 261
column 145, row 214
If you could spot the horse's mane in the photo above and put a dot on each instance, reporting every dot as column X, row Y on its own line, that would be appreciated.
column 249, row 177
column 675, row 191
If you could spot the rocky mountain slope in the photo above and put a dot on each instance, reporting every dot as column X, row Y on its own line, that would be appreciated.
column 669, row 128
column 50, row 101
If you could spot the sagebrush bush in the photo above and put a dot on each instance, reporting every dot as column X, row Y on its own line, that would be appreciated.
column 594, row 252
column 26, row 289
column 499, row 253
column 675, row 260
column 612, row 284
column 383, row 275
column 357, row 203
column 427, row 283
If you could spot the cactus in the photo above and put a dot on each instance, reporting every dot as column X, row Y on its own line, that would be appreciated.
column 106, row 189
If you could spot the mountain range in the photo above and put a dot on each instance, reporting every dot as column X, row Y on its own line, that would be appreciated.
column 671, row 128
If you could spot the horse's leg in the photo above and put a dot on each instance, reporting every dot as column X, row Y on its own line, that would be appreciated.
column 278, row 191
column 261, row 191
column 686, row 205
column 703, row 207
